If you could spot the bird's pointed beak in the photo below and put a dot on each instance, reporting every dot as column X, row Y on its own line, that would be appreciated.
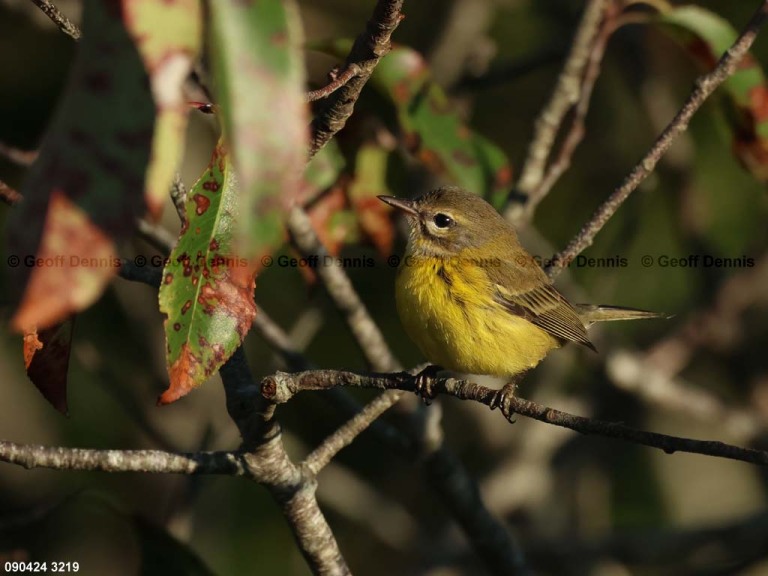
column 400, row 203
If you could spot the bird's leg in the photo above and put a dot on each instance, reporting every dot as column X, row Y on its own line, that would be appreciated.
column 501, row 399
column 424, row 383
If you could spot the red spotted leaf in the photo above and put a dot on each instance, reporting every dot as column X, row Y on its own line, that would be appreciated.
column 84, row 191
column 46, row 357
column 207, row 288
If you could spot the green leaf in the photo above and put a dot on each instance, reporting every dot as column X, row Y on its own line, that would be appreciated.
column 706, row 36
column 433, row 130
column 85, row 189
column 207, row 288
column 168, row 36
column 259, row 79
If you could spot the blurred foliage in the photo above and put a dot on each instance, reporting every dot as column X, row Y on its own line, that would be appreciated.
column 557, row 491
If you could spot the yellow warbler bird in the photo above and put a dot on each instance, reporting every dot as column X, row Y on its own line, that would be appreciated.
column 473, row 299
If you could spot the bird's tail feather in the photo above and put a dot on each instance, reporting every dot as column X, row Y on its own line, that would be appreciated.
column 591, row 313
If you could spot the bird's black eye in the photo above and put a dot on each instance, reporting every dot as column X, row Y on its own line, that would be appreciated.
column 442, row 220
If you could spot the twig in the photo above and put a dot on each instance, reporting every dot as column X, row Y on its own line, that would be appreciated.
column 9, row 195
column 338, row 79
column 366, row 52
column 17, row 155
column 179, row 197
column 564, row 96
column 704, row 86
column 153, row 461
column 346, row 434
column 577, row 130
column 149, row 275
column 281, row 386
column 367, row 334
column 156, row 235
column 62, row 22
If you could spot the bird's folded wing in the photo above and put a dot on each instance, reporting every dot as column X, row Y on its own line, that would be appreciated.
column 540, row 304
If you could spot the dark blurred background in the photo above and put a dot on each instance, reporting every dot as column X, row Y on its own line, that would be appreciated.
column 580, row 505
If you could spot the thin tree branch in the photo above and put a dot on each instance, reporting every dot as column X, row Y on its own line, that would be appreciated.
column 17, row 155
column 340, row 288
column 577, row 129
column 281, row 387
column 346, row 434
column 366, row 52
column 156, row 235
column 8, row 195
column 703, row 88
column 339, row 78
column 153, row 461
column 179, row 197
column 62, row 22
column 565, row 95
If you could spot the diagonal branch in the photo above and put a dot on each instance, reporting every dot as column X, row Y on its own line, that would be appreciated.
column 62, row 22
column 366, row 52
column 281, row 386
column 703, row 88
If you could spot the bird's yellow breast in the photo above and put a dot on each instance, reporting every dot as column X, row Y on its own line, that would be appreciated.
column 447, row 308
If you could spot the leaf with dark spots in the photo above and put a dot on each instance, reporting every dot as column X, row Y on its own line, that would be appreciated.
column 168, row 36
column 46, row 357
column 706, row 36
column 435, row 133
column 208, row 301
column 258, row 69
column 87, row 170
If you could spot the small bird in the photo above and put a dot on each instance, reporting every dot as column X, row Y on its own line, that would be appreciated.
column 473, row 299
